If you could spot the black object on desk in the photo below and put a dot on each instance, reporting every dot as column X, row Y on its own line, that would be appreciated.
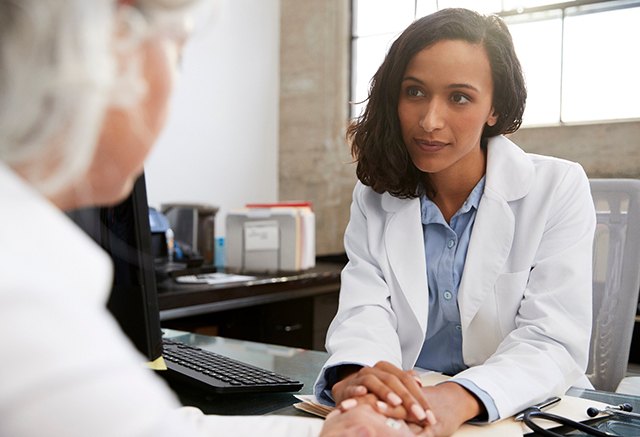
column 124, row 232
column 614, row 426
column 302, row 365
column 221, row 374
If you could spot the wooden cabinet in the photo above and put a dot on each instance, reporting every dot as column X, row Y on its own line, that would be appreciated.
column 291, row 310
column 296, row 322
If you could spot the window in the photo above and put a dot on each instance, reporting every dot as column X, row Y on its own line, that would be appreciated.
column 579, row 57
column 541, row 63
column 601, row 64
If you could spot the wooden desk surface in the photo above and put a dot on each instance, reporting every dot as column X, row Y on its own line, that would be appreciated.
column 180, row 300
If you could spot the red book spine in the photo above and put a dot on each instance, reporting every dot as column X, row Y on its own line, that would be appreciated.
column 280, row 205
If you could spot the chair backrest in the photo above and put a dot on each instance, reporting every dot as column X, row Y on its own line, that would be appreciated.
column 616, row 278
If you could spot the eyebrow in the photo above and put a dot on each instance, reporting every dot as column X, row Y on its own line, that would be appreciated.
column 450, row 86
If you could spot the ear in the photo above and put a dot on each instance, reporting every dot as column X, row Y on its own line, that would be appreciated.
column 493, row 118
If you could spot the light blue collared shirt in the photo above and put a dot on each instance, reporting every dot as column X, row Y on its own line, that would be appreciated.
column 446, row 246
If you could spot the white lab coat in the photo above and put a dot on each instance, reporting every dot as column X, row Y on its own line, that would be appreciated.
column 66, row 368
column 524, row 296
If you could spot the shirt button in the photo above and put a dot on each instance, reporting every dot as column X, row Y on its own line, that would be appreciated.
column 448, row 295
column 450, row 243
column 458, row 328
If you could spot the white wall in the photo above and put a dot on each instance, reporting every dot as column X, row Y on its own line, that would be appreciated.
column 220, row 145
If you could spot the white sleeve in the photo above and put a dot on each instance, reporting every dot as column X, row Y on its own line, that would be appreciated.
column 67, row 370
column 364, row 330
column 193, row 419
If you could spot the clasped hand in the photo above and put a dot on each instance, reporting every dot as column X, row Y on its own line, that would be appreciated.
column 398, row 394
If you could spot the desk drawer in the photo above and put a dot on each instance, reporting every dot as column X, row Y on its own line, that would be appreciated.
column 300, row 322
column 288, row 323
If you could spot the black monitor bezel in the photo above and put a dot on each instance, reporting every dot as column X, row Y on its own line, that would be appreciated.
column 133, row 300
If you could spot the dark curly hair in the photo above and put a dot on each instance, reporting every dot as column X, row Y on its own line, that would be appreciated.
column 376, row 139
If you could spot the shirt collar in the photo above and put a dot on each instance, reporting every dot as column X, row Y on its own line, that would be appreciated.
column 431, row 213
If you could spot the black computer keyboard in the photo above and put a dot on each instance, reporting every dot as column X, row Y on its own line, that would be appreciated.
column 221, row 374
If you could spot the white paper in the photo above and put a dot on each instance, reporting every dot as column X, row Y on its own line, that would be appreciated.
column 213, row 278
column 261, row 235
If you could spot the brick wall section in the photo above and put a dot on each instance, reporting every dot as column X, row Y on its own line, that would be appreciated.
column 607, row 150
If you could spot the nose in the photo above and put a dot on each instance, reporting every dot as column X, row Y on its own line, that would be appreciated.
column 433, row 117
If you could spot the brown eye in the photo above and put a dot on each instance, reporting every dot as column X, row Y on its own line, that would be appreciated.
column 460, row 99
column 413, row 91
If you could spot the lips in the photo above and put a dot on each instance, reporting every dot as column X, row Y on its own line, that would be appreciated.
column 430, row 145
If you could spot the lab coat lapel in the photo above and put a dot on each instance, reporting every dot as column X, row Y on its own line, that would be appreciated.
column 488, row 250
column 404, row 241
column 508, row 178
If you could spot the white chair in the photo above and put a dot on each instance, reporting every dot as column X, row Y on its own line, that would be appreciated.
column 616, row 280
column 629, row 385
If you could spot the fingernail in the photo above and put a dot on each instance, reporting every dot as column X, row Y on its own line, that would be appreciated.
column 431, row 418
column 348, row 404
column 382, row 406
column 418, row 412
column 418, row 381
column 394, row 399
column 360, row 389
column 333, row 413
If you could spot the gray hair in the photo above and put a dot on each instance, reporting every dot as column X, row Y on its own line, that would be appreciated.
column 58, row 75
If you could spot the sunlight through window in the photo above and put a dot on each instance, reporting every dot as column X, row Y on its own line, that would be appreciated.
column 580, row 62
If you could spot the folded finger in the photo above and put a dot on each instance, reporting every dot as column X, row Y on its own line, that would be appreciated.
column 372, row 401
column 404, row 385
column 353, row 391
column 382, row 384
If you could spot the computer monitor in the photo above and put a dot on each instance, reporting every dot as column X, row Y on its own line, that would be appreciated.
column 123, row 232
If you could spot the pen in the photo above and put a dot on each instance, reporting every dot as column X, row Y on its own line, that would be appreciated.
column 539, row 407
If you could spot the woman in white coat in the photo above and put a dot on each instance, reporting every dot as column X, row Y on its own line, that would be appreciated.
column 84, row 87
column 467, row 255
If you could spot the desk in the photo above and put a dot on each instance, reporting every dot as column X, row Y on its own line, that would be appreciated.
column 301, row 364
column 291, row 309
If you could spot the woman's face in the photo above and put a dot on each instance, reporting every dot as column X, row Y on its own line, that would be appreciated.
column 445, row 101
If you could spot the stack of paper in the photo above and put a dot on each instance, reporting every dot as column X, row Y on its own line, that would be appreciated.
column 571, row 407
column 271, row 237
